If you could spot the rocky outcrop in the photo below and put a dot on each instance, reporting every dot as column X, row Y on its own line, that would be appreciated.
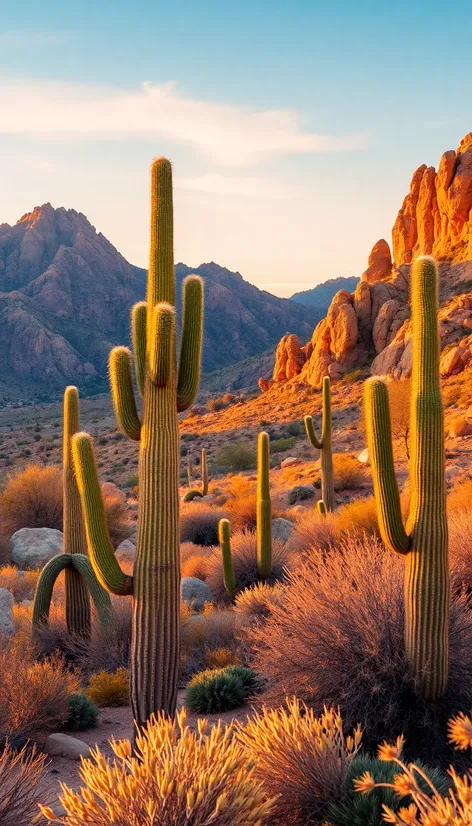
column 370, row 327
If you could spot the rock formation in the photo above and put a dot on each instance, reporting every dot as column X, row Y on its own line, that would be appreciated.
column 370, row 327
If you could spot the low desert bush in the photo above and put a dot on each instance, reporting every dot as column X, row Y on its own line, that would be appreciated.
column 20, row 776
column 240, row 456
column 175, row 777
column 367, row 810
column 357, row 518
column 220, row 658
column 300, row 493
column 281, row 445
column 34, row 696
column 109, row 689
column 317, row 533
column 33, row 499
column 244, row 553
column 199, row 524
column 312, row 531
column 431, row 806
column 301, row 760
column 205, row 632
column 253, row 604
column 214, row 691
column 83, row 714
column 460, row 497
column 193, row 560
column 349, row 610
column 21, row 584
column 348, row 472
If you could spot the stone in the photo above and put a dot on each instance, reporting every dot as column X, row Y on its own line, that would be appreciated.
column 460, row 427
column 7, row 626
column 290, row 461
column 195, row 592
column 33, row 547
column 289, row 359
column 364, row 457
column 63, row 745
column 382, row 325
column 282, row 529
column 112, row 491
column 379, row 264
column 126, row 547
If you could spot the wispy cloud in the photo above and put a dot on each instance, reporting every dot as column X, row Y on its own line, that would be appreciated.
column 30, row 39
column 228, row 134
column 235, row 185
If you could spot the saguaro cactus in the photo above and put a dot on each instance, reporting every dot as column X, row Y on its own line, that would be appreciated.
column 155, row 584
column 204, row 473
column 423, row 541
column 80, row 578
column 324, row 445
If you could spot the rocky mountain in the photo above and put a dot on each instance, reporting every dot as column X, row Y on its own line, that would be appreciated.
column 322, row 295
column 370, row 327
column 65, row 298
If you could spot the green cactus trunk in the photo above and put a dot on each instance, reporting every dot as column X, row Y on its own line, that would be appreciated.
column 324, row 445
column 424, row 541
column 263, row 509
column 79, row 577
column 229, row 576
column 204, row 473
column 155, row 584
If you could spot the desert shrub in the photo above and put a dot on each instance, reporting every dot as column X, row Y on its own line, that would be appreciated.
column 312, row 531
column 242, row 511
column 20, row 776
column 109, row 689
column 202, row 633
column 33, row 499
column 219, row 658
column 295, row 428
column 21, row 584
column 337, row 637
column 253, row 604
column 34, row 696
column 240, row 456
column 348, row 472
column 460, row 497
column 367, row 810
column 109, row 648
column 187, row 776
column 190, row 495
column 300, row 493
column 215, row 405
column 280, row 445
column 357, row 518
column 459, row 426
column 460, row 551
column 300, row 759
column 83, row 714
column 194, row 566
column 214, row 691
column 199, row 524
column 251, row 682
column 244, row 553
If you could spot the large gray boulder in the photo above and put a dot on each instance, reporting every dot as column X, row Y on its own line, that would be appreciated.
column 63, row 745
column 33, row 547
column 7, row 626
column 282, row 529
column 195, row 592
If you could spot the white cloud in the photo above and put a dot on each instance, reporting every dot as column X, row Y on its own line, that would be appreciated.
column 227, row 134
column 235, row 185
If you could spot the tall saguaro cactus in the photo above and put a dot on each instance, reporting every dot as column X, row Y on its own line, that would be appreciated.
column 79, row 575
column 263, row 508
column 155, row 584
column 324, row 445
column 423, row 541
column 204, row 472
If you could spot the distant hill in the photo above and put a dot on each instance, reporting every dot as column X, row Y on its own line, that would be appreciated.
column 65, row 299
column 322, row 295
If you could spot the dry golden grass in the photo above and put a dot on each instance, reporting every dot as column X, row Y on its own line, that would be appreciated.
column 20, row 775
column 203, row 633
column 176, row 777
column 253, row 604
column 357, row 518
column 109, row 689
column 220, row 658
column 21, row 584
column 193, row 560
column 348, row 472
column 301, row 760
column 33, row 695
column 313, row 532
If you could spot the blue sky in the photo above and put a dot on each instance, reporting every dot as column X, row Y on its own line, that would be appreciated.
column 294, row 127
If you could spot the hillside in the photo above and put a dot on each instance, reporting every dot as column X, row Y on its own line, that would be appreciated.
column 322, row 295
column 65, row 298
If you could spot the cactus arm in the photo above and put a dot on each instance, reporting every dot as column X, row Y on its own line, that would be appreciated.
column 138, row 334
column 45, row 586
column 191, row 344
column 102, row 556
column 100, row 597
column 122, row 391
column 263, row 509
column 204, row 473
column 229, row 576
column 161, row 280
column 161, row 348
column 379, row 437
column 310, row 432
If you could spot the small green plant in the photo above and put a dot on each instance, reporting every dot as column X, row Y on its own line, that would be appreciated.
column 248, row 677
column 300, row 493
column 215, row 690
column 240, row 456
column 83, row 714
column 280, row 445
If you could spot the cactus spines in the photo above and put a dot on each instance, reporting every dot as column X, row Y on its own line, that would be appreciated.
column 424, row 539
column 324, row 445
column 263, row 509
column 155, row 584
column 79, row 577
column 229, row 576
column 204, row 473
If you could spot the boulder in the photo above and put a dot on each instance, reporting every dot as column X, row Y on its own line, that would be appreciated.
column 282, row 529
column 379, row 264
column 195, row 592
column 63, row 745
column 289, row 359
column 364, row 457
column 112, row 491
column 7, row 626
column 290, row 461
column 33, row 547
